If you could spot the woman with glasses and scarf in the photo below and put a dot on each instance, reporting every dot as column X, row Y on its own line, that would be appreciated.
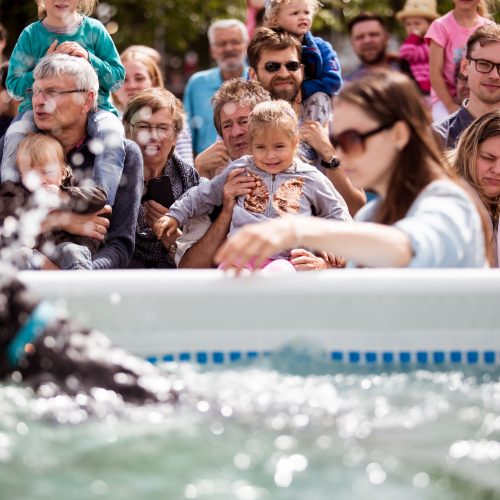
column 421, row 217
column 154, row 119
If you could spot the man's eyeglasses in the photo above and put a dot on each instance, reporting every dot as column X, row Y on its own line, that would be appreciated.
column 51, row 93
column 164, row 131
column 272, row 66
column 484, row 66
column 353, row 142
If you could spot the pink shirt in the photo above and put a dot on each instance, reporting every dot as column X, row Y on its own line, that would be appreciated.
column 447, row 33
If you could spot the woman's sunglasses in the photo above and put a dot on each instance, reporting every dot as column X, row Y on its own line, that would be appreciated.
column 353, row 142
column 272, row 66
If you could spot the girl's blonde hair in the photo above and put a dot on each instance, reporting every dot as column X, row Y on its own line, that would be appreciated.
column 464, row 158
column 277, row 113
column 273, row 9
column 40, row 149
column 85, row 7
column 483, row 8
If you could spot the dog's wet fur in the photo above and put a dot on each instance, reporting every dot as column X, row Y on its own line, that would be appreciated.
column 75, row 359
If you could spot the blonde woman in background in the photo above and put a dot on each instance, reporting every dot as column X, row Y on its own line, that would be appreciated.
column 143, row 73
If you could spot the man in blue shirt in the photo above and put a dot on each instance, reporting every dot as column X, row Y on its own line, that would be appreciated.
column 228, row 44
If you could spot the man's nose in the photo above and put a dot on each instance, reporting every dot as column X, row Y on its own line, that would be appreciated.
column 237, row 130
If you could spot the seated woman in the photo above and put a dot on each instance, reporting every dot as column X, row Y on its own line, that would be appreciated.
column 142, row 73
column 154, row 119
column 421, row 218
column 477, row 159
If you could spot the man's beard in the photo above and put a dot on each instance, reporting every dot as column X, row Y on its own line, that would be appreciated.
column 288, row 94
column 379, row 57
column 232, row 65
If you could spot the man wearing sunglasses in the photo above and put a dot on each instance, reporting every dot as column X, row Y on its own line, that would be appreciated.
column 64, row 93
column 481, row 66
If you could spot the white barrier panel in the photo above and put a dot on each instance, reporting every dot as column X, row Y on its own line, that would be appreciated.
column 357, row 316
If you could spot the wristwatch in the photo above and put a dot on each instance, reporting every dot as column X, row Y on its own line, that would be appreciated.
column 332, row 164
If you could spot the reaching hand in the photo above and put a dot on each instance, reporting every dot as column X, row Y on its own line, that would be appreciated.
column 165, row 226
column 237, row 183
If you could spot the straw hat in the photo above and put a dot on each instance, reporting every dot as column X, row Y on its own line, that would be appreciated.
column 418, row 8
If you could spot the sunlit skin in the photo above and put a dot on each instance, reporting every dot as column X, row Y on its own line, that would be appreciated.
column 137, row 78
column 273, row 148
column 61, row 12
column 369, row 41
column 283, row 84
column 228, row 50
column 416, row 25
column 371, row 169
column 234, row 126
column 296, row 17
column 488, row 166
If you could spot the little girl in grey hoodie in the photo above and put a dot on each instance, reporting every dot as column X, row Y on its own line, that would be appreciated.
column 285, row 184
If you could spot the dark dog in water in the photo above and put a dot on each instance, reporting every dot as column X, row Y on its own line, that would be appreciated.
column 38, row 347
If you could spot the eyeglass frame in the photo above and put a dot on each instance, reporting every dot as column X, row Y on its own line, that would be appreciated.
column 300, row 65
column 171, row 133
column 334, row 140
column 493, row 65
column 30, row 93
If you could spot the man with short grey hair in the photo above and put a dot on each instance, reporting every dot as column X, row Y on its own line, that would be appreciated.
column 64, row 94
column 228, row 40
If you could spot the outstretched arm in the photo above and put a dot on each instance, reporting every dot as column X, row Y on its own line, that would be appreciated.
column 367, row 244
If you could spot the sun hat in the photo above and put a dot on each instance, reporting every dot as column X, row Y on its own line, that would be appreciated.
column 418, row 8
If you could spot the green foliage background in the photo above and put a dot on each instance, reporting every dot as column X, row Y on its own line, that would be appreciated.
column 175, row 26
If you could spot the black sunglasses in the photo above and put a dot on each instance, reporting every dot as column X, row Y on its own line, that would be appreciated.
column 353, row 142
column 273, row 66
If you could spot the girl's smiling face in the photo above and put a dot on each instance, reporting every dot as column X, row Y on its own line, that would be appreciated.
column 273, row 148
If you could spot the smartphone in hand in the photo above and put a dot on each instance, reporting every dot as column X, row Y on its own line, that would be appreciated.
column 159, row 189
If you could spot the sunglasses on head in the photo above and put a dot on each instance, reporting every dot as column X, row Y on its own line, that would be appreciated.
column 273, row 66
column 353, row 142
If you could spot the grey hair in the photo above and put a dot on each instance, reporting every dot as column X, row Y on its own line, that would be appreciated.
column 58, row 65
column 224, row 24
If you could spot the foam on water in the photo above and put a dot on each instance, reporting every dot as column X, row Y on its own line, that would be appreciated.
column 261, row 432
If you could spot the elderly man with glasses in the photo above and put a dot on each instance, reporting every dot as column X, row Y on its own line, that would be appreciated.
column 481, row 66
column 64, row 94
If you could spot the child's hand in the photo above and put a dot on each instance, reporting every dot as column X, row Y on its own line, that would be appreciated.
column 53, row 47
column 165, row 226
column 73, row 49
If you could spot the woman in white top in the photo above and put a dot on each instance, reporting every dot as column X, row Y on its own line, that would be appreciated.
column 421, row 217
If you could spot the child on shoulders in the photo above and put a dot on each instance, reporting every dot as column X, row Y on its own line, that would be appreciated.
column 321, row 65
column 65, row 28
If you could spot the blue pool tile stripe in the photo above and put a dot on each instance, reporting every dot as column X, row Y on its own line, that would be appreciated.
column 404, row 357
column 489, row 357
column 471, row 357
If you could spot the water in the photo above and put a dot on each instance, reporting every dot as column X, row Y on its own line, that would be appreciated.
column 280, row 430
